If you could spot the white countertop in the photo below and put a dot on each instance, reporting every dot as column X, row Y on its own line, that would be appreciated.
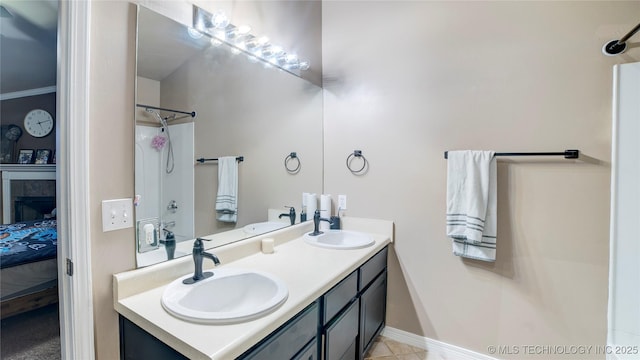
column 307, row 270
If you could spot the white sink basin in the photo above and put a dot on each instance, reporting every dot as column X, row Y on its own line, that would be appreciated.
column 230, row 296
column 263, row 227
column 340, row 239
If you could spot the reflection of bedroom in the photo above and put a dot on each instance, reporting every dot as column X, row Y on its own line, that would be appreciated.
column 28, row 236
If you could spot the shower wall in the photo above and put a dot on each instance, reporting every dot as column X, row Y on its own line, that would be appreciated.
column 178, row 185
column 624, row 269
column 157, row 188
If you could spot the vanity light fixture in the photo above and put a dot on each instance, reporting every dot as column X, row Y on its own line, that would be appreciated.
column 240, row 39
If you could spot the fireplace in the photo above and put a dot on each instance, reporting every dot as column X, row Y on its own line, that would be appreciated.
column 28, row 192
column 33, row 207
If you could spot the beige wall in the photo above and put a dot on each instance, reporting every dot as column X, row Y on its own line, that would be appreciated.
column 261, row 114
column 111, row 141
column 406, row 81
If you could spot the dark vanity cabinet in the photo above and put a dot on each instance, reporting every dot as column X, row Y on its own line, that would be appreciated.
column 351, row 315
column 135, row 344
column 340, row 318
column 340, row 325
column 373, row 300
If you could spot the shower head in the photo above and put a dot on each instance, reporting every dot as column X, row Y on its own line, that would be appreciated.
column 162, row 120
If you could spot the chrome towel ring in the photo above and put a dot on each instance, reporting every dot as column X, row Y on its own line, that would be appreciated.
column 357, row 154
column 289, row 158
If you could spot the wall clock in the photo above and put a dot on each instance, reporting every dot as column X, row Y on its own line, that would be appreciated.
column 38, row 123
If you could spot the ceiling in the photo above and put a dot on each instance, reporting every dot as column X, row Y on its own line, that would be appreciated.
column 28, row 46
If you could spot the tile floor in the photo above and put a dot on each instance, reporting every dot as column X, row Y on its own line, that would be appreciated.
column 387, row 349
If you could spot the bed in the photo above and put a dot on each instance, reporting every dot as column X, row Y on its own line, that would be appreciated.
column 28, row 266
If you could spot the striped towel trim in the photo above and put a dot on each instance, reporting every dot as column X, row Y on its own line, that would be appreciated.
column 464, row 226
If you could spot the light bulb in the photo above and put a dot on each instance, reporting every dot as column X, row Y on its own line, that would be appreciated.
column 291, row 58
column 244, row 29
column 219, row 20
column 250, row 43
column 195, row 34
column 304, row 65
column 272, row 51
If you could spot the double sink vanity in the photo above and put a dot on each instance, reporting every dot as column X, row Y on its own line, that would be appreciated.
column 314, row 297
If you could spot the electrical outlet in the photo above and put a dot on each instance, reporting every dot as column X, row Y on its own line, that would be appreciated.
column 342, row 202
column 117, row 214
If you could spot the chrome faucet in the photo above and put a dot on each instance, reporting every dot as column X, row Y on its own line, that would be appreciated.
column 291, row 215
column 198, row 256
column 316, row 223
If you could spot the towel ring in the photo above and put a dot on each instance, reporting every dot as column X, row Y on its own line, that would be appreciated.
column 356, row 154
column 289, row 158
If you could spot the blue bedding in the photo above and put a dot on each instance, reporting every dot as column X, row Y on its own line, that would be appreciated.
column 26, row 242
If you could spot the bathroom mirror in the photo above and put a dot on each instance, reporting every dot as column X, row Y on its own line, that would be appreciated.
column 243, row 109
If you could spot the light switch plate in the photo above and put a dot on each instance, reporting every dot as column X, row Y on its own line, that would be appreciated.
column 117, row 214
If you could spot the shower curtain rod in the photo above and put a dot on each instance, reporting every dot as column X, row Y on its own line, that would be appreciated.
column 192, row 114
column 615, row 47
column 568, row 154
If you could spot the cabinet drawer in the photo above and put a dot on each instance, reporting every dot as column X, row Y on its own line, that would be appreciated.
column 372, row 268
column 341, row 335
column 287, row 341
column 339, row 296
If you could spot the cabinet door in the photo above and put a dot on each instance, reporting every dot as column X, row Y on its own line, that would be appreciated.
column 341, row 335
column 135, row 343
column 289, row 339
column 372, row 311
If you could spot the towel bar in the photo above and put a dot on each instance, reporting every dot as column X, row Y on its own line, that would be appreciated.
column 568, row 154
column 202, row 160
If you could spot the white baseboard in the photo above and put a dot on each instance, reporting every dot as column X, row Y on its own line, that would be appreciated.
column 434, row 347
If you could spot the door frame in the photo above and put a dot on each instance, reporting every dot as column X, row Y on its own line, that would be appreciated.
column 72, row 179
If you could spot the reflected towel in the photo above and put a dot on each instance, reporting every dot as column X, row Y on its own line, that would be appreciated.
column 227, row 198
column 472, row 203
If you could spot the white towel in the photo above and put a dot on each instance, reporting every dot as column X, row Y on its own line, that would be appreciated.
column 227, row 198
column 472, row 203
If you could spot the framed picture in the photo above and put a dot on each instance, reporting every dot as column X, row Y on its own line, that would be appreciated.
column 25, row 156
column 42, row 156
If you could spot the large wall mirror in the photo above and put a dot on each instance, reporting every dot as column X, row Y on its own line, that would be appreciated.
column 243, row 109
